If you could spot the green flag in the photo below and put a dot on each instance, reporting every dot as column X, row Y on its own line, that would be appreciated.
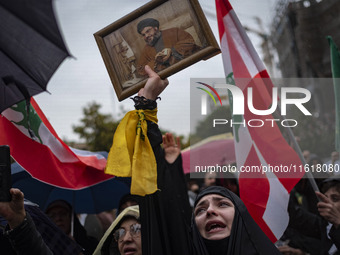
column 335, row 61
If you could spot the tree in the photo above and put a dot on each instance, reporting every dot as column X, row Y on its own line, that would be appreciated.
column 97, row 129
column 205, row 127
column 316, row 134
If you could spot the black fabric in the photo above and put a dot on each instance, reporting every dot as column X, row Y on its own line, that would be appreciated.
column 245, row 238
column 110, row 246
column 304, row 221
column 31, row 48
column 141, row 103
column 26, row 239
column 6, row 247
column 124, row 199
column 167, row 227
column 305, row 229
column 303, row 195
column 310, row 245
column 217, row 246
column 165, row 215
column 54, row 237
column 89, row 243
column 335, row 238
column 58, row 242
column 312, row 226
column 38, row 14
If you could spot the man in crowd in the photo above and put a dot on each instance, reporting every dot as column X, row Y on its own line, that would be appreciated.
column 329, row 209
column 324, row 229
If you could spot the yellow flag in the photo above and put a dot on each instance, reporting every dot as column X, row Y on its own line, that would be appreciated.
column 131, row 154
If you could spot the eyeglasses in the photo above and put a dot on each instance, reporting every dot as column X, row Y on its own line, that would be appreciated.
column 120, row 233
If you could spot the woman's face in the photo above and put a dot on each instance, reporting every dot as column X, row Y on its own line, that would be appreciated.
column 61, row 217
column 214, row 216
column 130, row 243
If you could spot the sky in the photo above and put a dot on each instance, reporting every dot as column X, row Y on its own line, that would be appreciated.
column 83, row 78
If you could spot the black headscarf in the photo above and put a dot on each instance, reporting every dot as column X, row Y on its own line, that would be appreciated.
column 246, row 237
column 165, row 215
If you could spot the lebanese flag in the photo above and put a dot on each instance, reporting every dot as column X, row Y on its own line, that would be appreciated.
column 45, row 156
column 266, row 195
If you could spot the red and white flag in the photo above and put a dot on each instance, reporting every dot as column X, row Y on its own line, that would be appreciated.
column 45, row 156
column 266, row 195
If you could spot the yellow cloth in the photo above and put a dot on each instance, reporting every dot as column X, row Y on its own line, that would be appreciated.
column 131, row 154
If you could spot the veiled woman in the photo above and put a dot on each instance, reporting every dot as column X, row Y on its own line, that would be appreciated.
column 222, row 225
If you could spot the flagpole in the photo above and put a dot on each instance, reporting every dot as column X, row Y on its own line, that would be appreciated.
column 335, row 66
column 299, row 152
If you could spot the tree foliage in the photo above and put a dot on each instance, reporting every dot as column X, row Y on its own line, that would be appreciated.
column 96, row 129
column 316, row 134
column 205, row 127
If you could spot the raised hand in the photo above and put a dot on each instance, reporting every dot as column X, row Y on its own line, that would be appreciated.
column 154, row 86
column 171, row 147
column 287, row 250
column 14, row 211
column 328, row 209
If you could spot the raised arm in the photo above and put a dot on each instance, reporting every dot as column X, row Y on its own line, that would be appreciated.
column 14, row 211
column 154, row 85
column 165, row 214
column 172, row 147
column 21, row 231
column 328, row 210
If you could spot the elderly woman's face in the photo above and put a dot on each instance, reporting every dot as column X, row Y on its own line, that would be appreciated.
column 130, row 243
column 214, row 216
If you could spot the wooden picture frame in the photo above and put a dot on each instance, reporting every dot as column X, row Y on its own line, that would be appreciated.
column 125, row 50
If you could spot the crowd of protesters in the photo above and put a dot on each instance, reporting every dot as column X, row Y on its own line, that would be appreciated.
column 181, row 217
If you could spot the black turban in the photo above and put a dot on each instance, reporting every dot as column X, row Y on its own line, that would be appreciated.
column 149, row 22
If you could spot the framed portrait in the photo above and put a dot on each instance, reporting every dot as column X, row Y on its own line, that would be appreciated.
column 167, row 35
